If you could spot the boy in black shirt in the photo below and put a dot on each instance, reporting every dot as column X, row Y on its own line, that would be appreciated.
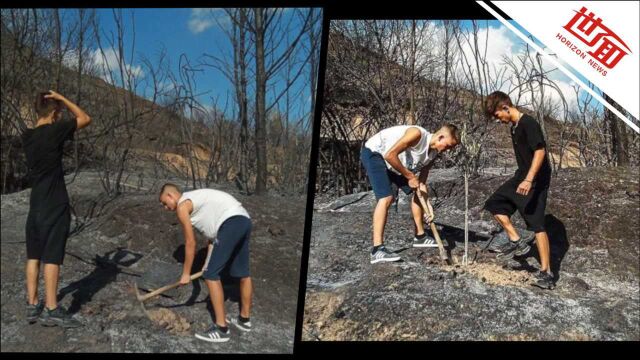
column 49, row 216
column 527, row 190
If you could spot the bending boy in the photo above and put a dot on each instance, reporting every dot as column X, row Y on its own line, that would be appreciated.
column 402, row 155
column 219, row 216
column 527, row 190
column 49, row 218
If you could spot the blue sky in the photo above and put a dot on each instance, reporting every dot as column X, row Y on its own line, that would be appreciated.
column 505, row 42
column 191, row 32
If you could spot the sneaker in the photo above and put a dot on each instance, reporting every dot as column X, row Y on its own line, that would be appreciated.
column 544, row 280
column 498, row 240
column 241, row 325
column 58, row 317
column 34, row 311
column 508, row 249
column 382, row 254
column 525, row 244
column 424, row 240
column 215, row 334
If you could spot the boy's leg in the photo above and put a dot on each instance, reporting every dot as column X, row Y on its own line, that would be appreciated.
column 502, row 204
column 418, row 215
column 229, row 235
column 35, row 247
column 380, row 219
column 505, row 222
column 542, row 242
column 216, row 294
column 32, row 270
column 51, row 275
column 240, row 265
column 533, row 215
column 57, row 232
column 418, row 212
column 376, row 169
column 246, row 295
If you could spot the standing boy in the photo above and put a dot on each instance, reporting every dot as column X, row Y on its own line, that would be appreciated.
column 221, row 217
column 527, row 190
column 49, row 218
column 402, row 155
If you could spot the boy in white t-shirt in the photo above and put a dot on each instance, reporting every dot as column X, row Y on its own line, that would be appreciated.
column 402, row 155
column 221, row 217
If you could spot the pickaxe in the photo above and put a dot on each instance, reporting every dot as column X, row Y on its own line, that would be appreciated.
column 428, row 210
column 143, row 298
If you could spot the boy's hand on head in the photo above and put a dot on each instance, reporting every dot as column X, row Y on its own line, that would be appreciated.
column 524, row 187
column 54, row 95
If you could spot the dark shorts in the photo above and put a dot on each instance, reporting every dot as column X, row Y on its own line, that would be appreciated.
column 505, row 201
column 231, row 249
column 47, row 231
column 381, row 178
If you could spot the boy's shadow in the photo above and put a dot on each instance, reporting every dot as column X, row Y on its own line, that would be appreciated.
column 558, row 244
column 108, row 266
column 230, row 284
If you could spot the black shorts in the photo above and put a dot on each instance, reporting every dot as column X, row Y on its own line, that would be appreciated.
column 47, row 231
column 231, row 249
column 505, row 201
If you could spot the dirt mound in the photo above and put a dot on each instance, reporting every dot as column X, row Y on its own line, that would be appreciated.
column 169, row 320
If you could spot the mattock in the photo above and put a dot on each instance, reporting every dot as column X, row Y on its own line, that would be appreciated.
column 142, row 298
column 426, row 207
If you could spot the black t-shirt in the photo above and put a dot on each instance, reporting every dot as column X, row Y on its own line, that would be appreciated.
column 527, row 137
column 43, row 148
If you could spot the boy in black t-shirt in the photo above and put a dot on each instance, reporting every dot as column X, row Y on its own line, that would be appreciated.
column 527, row 190
column 49, row 216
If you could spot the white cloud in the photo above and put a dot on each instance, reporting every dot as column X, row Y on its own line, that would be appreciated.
column 202, row 19
column 500, row 45
column 109, row 63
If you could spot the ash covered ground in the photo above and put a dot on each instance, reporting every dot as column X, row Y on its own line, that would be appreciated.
column 593, row 223
column 132, row 239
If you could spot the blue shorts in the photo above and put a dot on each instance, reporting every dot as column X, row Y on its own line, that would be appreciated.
column 231, row 249
column 382, row 179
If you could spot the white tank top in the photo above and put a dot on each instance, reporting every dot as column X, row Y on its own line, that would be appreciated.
column 414, row 158
column 211, row 208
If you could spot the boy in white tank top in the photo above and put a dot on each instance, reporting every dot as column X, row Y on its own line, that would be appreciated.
column 402, row 155
column 221, row 217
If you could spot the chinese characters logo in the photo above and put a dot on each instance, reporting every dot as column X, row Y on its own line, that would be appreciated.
column 606, row 47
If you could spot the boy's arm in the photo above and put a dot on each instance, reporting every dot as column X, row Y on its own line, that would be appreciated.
column 536, row 164
column 82, row 119
column 183, row 211
column 411, row 137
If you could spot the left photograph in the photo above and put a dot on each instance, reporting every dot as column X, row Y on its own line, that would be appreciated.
column 154, row 174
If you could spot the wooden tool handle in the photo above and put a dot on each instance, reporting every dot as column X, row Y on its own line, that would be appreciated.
column 168, row 287
column 427, row 209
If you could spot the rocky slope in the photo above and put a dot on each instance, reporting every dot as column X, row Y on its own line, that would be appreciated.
column 592, row 220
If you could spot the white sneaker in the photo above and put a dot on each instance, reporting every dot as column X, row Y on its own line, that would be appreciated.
column 383, row 255
column 425, row 241
column 214, row 334
column 243, row 326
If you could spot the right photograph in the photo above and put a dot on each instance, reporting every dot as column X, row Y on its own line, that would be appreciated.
column 466, row 189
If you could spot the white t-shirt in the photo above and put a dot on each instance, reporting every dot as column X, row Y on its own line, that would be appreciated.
column 414, row 158
column 211, row 208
